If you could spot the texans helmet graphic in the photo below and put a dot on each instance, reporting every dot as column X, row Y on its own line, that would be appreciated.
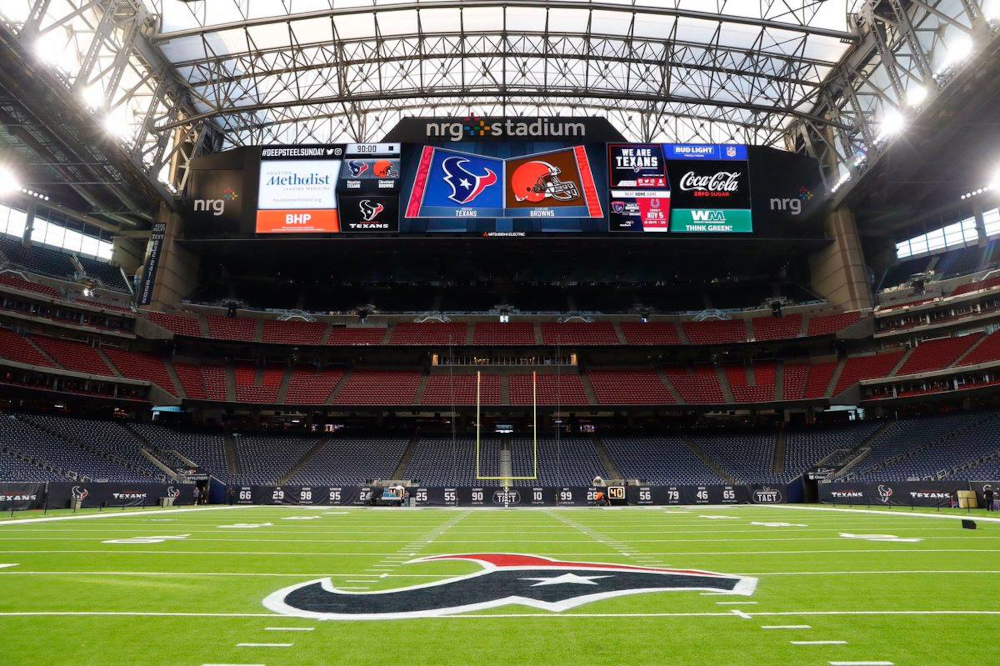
column 357, row 167
column 369, row 211
column 465, row 185
column 79, row 492
column 505, row 579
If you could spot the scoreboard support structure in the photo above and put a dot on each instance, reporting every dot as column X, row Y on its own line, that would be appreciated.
column 534, row 434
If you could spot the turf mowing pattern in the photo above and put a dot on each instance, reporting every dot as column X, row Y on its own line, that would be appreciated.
column 820, row 597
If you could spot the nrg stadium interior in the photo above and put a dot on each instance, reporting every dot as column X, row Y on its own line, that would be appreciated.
column 506, row 266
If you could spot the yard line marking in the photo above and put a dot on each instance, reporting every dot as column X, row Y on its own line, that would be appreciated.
column 861, row 663
column 265, row 645
column 731, row 603
column 289, row 629
column 524, row 616
column 912, row 514
column 232, row 665
column 818, row 642
column 786, row 626
column 4, row 566
column 738, row 612
column 674, row 553
column 95, row 516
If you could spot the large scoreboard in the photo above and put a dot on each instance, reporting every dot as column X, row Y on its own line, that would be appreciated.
column 493, row 184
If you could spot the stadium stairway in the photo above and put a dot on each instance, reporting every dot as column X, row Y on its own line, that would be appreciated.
column 670, row 387
column 286, row 379
column 779, row 382
column 588, row 389
column 778, row 462
column 705, row 458
column 418, row 397
column 309, row 455
column 970, row 350
column 338, row 388
column 230, row 383
column 158, row 464
column 835, row 378
column 602, row 453
column 39, row 425
column 178, row 386
column 727, row 391
column 232, row 459
column 404, row 461
column 107, row 362
column 857, row 454
column 902, row 361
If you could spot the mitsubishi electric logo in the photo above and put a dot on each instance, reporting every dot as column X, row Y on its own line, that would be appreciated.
column 474, row 127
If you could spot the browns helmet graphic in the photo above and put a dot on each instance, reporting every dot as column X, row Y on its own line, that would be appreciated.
column 504, row 579
column 385, row 169
column 538, row 180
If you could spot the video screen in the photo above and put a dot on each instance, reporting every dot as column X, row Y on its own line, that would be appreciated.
column 679, row 188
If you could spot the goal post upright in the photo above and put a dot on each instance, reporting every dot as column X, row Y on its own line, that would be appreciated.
column 534, row 414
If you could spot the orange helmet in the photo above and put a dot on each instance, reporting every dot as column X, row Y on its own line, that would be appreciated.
column 536, row 181
column 383, row 169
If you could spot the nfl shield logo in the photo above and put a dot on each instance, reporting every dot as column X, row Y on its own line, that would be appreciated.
column 730, row 151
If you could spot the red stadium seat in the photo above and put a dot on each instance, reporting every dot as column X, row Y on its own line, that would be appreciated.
column 629, row 387
column 504, row 334
column 437, row 334
column 652, row 333
column 579, row 333
column 720, row 332
column 460, row 389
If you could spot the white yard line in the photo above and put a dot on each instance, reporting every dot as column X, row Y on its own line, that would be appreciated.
column 901, row 512
column 573, row 553
column 818, row 642
column 737, row 612
column 112, row 514
column 525, row 616
column 786, row 626
column 861, row 663
column 265, row 645
column 5, row 566
column 289, row 629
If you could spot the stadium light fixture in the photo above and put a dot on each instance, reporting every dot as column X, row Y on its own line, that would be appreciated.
column 9, row 182
column 991, row 10
column 54, row 49
column 957, row 51
column 117, row 125
column 893, row 123
column 93, row 96
column 917, row 95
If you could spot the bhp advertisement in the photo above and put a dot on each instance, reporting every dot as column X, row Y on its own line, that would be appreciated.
column 298, row 196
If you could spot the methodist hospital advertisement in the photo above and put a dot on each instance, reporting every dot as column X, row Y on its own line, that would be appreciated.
column 298, row 190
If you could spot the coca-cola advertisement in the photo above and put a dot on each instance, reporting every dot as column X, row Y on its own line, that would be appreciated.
column 709, row 184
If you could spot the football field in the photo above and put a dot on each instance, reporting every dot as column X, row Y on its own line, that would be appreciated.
column 688, row 585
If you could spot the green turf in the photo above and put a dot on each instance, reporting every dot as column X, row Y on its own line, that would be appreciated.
column 874, row 595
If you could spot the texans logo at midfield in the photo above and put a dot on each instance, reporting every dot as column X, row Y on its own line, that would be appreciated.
column 505, row 579
column 465, row 185
column 369, row 211
column 357, row 167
